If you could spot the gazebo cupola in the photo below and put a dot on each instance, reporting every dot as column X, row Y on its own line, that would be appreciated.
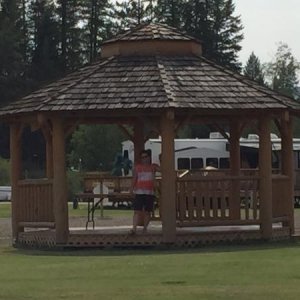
column 151, row 40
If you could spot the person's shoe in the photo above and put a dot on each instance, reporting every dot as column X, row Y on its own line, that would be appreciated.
column 132, row 232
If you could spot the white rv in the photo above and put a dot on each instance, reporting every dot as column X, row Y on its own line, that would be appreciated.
column 199, row 153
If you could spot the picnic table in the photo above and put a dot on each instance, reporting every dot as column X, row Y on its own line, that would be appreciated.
column 90, row 197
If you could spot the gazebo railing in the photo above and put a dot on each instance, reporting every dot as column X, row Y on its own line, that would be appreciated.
column 213, row 200
column 35, row 200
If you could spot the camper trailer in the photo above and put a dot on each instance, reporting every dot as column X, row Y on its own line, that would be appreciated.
column 191, row 154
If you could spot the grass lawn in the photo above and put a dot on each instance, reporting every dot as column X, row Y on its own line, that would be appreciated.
column 260, row 272
column 269, row 271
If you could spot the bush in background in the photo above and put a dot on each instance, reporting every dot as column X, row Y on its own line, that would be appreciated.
column 4, row 171
column 75, row 184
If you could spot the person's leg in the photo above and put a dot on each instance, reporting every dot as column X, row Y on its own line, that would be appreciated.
column 147, row 217
column 135, row 220
column 137, row 206
column 148, row 208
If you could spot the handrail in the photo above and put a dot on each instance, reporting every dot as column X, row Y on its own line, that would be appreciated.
column 217, row 178
column 40, row 181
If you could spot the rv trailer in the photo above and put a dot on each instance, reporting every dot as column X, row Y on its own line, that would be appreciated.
column 192, row 154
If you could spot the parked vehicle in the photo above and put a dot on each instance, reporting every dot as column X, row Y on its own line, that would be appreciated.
column 193, row 154
column 5, row 193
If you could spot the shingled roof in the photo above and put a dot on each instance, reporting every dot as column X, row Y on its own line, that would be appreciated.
column 152, row 31
column 142, row 82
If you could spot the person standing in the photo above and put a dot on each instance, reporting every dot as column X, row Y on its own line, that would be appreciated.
column 143, row 185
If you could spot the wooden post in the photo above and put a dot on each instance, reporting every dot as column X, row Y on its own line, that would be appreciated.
column 168, row 182
column 265, row 177
column 288, row 167
column 47, row 132
column 235, row 167
column 16, row 170
column 49, row 157
column 60, row 193
column 138, row 139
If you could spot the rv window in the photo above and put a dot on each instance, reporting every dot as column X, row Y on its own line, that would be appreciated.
column 125, row 154
column 196, row 163
column 183, row 164
column 224, row 163
column 212, row 161
column 149, row 151
column 298, row 157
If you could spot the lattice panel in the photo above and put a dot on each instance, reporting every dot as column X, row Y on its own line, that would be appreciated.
column 37, row 239
column 46, row 239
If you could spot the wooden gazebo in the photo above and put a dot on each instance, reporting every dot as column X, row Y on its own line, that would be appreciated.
column 154, row 78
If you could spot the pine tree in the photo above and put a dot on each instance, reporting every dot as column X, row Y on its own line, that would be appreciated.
column 130, row 13
column 11, row 63
column 170, row 12
column 211, row 21
column 71, row 33
column 45, row 32
column 97, row 27
column 253, row 69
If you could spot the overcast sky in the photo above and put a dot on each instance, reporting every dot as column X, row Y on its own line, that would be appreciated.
column 267, row 22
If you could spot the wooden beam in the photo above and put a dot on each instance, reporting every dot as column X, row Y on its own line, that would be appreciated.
column 60, row 193
column 69, row 129
column 138, row 139
column 46, row 128
column 220, row 129
column 182, row 122
column 265, row 174
column 125, row 130
column 235, row 166
column 16, row 171
column 287, row 159
column 168, row 182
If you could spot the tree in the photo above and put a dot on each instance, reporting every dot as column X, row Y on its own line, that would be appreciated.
column 45, row 63
column 130, row 13
column 211, row 21
column 222, row 34
column 97, row 27
column 11, row 63
column 170, row 12
column 253, row 69
column 281, row 72
column 95, row 147
column 71, row 13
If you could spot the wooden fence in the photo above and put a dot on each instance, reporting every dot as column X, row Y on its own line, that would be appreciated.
column 211, row 200
column 35, row 200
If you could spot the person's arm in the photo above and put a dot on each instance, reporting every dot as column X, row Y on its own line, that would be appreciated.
column 156, row 167
column 134, row 180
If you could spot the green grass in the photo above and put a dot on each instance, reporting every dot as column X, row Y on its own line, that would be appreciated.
column 241, row 272
column 5, row 210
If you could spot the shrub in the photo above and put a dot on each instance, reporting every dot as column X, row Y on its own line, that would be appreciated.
column 75, row 184
column 4, row 172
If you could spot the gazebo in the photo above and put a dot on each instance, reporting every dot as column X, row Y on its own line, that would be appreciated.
column 154, row 77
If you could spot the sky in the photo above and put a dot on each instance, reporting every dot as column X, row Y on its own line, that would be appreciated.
column 266, row 23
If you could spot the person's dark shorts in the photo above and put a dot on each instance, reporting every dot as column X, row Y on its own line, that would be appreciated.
column 143, row 202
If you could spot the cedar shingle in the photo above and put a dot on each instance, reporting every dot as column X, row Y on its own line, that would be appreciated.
column 151, row 82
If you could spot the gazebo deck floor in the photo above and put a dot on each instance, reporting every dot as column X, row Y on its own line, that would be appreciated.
column 119, row 237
